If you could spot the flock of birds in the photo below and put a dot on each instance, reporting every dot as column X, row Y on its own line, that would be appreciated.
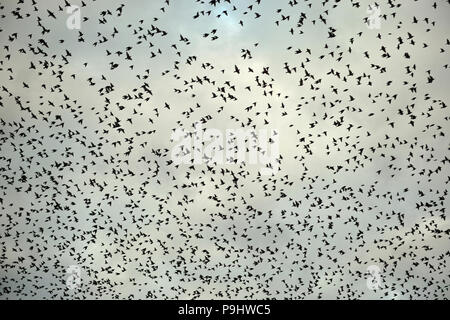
column 87, row 178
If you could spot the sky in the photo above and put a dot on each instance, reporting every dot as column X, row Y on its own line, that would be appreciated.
column 362, row 138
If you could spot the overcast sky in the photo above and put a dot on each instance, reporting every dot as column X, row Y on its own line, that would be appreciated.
column 69, row 215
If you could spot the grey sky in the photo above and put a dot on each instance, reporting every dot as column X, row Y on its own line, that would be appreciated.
column 267, row 236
